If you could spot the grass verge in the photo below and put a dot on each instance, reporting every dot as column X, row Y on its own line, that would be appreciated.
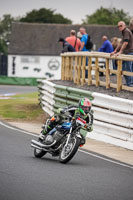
column 22, row 107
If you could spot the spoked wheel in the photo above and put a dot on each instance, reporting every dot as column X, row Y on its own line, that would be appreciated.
column 39, row 153
column 69, row 151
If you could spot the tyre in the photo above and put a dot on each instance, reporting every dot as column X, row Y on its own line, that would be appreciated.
column 69, row 151
column 39, row 153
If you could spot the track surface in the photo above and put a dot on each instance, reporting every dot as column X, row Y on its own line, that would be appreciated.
column 9, row 89
column 23, row 177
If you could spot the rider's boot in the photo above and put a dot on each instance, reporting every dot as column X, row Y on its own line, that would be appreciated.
column 82, row 142
column 42, row 135
column 44, row 132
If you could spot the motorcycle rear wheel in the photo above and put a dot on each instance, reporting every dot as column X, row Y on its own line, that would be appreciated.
column 69, row 151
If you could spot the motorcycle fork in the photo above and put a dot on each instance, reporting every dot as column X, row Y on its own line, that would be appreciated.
column 69, row 135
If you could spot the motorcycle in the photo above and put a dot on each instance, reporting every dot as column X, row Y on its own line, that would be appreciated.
column 66, row 139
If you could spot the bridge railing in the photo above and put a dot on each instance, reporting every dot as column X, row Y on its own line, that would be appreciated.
column 74, row 68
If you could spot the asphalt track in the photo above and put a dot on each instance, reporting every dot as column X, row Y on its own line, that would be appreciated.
column 86, row 177
column 14, row 89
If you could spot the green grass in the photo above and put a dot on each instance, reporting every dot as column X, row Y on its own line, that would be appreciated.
column 21, row 107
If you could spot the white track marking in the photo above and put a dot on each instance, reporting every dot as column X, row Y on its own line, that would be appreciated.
column 17, row 129
column 91, row 154
column 106, row 159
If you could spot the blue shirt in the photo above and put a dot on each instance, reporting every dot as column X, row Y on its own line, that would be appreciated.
column 84, row 39
column 106, row 47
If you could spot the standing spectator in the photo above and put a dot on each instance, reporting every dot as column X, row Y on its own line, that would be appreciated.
column 79, row 35
column 66, row 46
column 131, row 25
column 115, row 42
column 106, row 46
column 73, row 40
column 131, row 28
column 83, row 39
column 125, row 47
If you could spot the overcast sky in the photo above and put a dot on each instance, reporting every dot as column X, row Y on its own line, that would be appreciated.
column 76, row 10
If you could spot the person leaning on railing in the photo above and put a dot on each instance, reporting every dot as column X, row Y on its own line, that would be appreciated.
column 131, row 25
column 115, row 41
column 131, row 28
column 125, row 47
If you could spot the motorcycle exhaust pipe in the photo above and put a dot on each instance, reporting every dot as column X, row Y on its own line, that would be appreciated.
column 40, row 145
column 42, row 149
column 34, row 146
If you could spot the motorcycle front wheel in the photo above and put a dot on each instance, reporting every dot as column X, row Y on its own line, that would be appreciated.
column 39, row 153
column 69, row 151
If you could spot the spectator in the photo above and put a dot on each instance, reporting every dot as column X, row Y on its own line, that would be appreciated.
column 131, row 25
column 125, row 47
column 66, row 46
column 83, row 39
column 106, row 46
column 73, row 40
column 79, row 35
column 131, row 28
column 115, row 42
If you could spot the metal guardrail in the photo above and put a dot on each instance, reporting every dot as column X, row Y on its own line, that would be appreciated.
column 65, row 96
column 112, row 123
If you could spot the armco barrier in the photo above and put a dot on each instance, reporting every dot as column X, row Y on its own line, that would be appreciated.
column 67, row 96
column 113, row 116
column 46, row 95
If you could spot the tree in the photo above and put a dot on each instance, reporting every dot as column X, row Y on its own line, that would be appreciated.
column 107, row 16
column 5, row 29
column 45, row 16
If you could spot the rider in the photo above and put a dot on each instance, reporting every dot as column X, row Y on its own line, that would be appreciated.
column 83, row 110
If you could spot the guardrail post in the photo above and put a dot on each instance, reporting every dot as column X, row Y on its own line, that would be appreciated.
column 67, row 68
column 71, row 61
column 63, row 68
column 79, row 70
column 97, row 72
column 83, row 68
column 89, row 70
column 107, row 74
column 75, row 67
column 119, row 76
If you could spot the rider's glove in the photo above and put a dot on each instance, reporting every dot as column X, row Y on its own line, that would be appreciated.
column 89, row 128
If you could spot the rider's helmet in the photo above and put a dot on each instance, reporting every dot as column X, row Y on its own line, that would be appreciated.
column 84, row 105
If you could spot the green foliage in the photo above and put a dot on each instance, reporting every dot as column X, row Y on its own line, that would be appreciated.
column 5, row 29
column 107, row 16
column 3, row 47
column 45, row 16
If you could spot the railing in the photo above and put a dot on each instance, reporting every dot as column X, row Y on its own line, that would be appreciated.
column 52, row 96
column 74, row 67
